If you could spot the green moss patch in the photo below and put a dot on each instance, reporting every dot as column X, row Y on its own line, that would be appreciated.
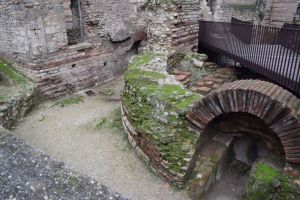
column 101, row 123
column 140, row 60
column 157, row 109
column 116, row 120
column 2, row 98
column 268, row 183
column 298, row 107
column 69, row 101
column 6, row 69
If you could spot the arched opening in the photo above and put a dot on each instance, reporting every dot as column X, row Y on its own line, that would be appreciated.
column 245, row 121
column 252, row 139
column 249, row 140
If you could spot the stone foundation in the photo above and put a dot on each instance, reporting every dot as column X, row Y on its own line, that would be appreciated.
column 18, row 106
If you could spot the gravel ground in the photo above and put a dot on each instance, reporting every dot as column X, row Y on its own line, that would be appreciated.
column 28, row 174
column 68, row 134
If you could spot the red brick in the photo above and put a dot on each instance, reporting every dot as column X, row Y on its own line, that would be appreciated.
column 209, row 83
column 203, row 89
column 216, row 80
column 201, row 84
column 178, row 72
column 181, row 77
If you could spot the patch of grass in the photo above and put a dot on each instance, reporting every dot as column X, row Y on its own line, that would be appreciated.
column 107, row 91
column 116, row 120
column 101, row 123
column 141, row 60
column 261, row 184
column 6, row 69
column 298, row 107
column 69, row 101
column 2, row 98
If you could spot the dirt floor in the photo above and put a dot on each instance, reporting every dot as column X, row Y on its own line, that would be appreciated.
column 81, row 135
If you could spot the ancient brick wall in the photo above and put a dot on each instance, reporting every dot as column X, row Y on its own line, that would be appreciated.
column 174, row 25
column 186, row 25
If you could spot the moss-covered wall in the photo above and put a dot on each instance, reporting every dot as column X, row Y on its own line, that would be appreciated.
column 156, row 105
column 17, row 95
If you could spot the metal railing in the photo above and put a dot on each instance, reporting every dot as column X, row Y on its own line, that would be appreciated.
column 271, row 51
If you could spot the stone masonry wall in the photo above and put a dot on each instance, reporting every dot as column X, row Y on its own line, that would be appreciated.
column 174, row 25
column 283, row 11
column 114, row 20
column 185, row 25
column 17, row 106
column 31, row 28
column 35, row 38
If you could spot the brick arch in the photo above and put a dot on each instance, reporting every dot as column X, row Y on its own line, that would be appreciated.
column 269, row 102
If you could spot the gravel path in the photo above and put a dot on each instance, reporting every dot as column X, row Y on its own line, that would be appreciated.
column 28, row 174
column 68, row 134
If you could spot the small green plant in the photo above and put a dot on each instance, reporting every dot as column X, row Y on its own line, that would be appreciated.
column 116, row 122
column 101, row 123
column 69, row 101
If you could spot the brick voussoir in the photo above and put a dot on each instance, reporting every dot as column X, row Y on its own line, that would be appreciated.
column 267, row 101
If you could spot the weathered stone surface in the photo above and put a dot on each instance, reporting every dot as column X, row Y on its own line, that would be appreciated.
column 210, row 165
column 244, row 150
column 120, row 33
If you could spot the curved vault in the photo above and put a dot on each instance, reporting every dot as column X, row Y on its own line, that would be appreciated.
column 269, row 102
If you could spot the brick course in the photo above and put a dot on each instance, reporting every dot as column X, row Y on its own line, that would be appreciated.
column 269, row 102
